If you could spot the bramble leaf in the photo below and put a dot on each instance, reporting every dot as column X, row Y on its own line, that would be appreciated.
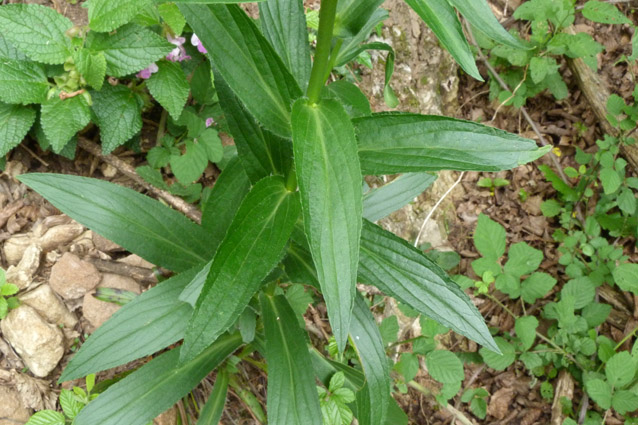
column 489, row 238
column 118, row 114
column 15, row 122
column 107, row 15
column 62, row 119
column 22, row 82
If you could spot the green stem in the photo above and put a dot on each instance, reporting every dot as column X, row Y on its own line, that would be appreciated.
column 327, row 14
column 333, row 58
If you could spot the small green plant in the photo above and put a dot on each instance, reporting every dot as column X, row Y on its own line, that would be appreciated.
column 7, row 292
column 71, row 401
column 334, row 401
column 492, row 183
column 477, row 398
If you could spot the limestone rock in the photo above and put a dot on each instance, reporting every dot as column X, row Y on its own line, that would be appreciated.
column 137, row 261
column 15, row 246
column 60, row 235
column 22, row 274
column 72, row 277
column 97, row 312
column 12, row 412
column 39, row 343
column 45, row 302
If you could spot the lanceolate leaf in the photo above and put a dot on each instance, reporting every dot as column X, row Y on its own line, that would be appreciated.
column 136, row 222
column 60, row 130
column 118, row 114
column 106, row 15
column 247, row 62
column 150, row 322
column 22, row 82
column 330, row 184
column 292, row 394
column 479, row 14
column 251, row 249
column 352, row 16
column 395, row 143
column 156, row 386
column 352, row 98
column 214, row 407
column 383, row 201
column 400, row 270
column 15, row 122
column 284, row 25
column 442, row 19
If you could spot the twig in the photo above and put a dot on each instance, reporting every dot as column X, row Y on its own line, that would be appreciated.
column 34, row 155
column 64, row 95
column 427, row 218
column 455, row 412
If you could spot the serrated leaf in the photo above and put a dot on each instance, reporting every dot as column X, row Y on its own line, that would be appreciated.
column 118, row 114
column 479, row 14
column 595, row 314
column 156, row 386
column 9, row 289
column 22, row 82
column 627, row 201
column 38, row 31
column 292, row 394
column 626, row 277
column 15, row 122
column 610, row 180
column 253, row 245
column 8, row 50
column 46, row 417
column 604, row 13
column 526, row 330
column 582, row 289
column 352, row 98
column 383, row 201
column 536, row 286
column 189, row 166
column 620, row 369
column 247, row 62
column 212, row 144
column 214, row 407
column 92, row 66
column 330, row 184
column 499, row 361
column 600, row 392
column 540, row 67
column 107, row 15
column 62, row 119
column 169, row 87
column 522, row 259
column 70, row 405
column 130, row 49
column 397, row 142
column 136, row 222
column 489, row 238
column 172, row 16
column 624, row 402
column 444, row 366
column 551, row 208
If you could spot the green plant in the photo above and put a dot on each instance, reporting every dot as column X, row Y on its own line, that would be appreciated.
column 71, row 401
column 7, row 300
column 287, row 209
column 492, row 183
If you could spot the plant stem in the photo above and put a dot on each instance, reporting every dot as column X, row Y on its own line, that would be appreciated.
column 455, row 412
column 327, row 14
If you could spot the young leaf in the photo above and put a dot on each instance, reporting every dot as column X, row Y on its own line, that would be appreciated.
column 189, row 166
column 402, row 271
column 444, row 366
column 383, row 201
column 92, row 66
column 440, row 16
column 214, row 407
column 170, row 13
column 526, row 330
column 292, row 394
column 47, row 417
column 38, row 31
column 247, row 62
column 136, row 222
column 15, row 122
column 118, row 114
column 620, row 369
column 107, row 15
column 600, row 392
column 253, row 245
column 499, row 361
column 61, row 119
column 395, row 143
column 69, row 404
column 169, row 87
column 156, row 386
column 330, row 185
column 479, row 14
column 522, row 259
column 22, row 82
column 489, row 238
column 604, row 13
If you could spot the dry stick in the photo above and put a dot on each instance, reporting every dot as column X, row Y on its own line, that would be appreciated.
column 454, row 411
column 126, row 169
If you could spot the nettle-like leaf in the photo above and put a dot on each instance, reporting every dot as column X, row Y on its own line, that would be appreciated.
column 22, row 82
column 62, row 119
column 169, row 87
column 92, row 66
column 107, row 15
column 169, row 12
column 47, row 417
column 15, row 122
column 118, row 114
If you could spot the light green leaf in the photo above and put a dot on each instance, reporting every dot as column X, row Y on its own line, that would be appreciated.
column 15, row 122
column 600, row 392
column 441, row 18
column 499, row 361
column 118, row 114
column 22, row 82
column 627, row 201
column 479, row 14
column 46, row 417
column 624, row 402
column 156, row 386
column 595, row 314
column 130, row 49
column 136, row 222
column 70, row 405
column 330, row 184
column 37, row 31
column 397, row 142
column 536, row 286
column 610, row 180
column 626, row 277
column 214, row 407
column 212, row 144
column 620, row 369
column 9, row 289
column 62, row 119
column 604, row 13
column 292, row 394
column 253, row 245
column 189, row 166
column 489, row 238
column 582, row 289
column 107, row 15
column 383, row 201
column 172, row 16
column 526, row 330
column 247, row 62
column 92, row 66
column 444, row 366
column 522, row 259
column 8, row 50
column 169, row 87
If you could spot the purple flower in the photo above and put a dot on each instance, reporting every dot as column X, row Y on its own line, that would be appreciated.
column 178, row 54
column 209, row 122
column 195, row 41
column 148, row 71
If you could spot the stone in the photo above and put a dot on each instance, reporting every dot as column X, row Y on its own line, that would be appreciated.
column 15, row 246
column 167, row 418
column 97, row 312
column 22, row 274
column 60, row 235
column 72, row 277
column 50, row 307
column 12, row 412
column 137, row 261
column 103, row 244
column 39, row 343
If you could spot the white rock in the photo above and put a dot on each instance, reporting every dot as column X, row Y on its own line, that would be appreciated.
column 50, row 307
column 39, row 343
column 72, row 277
column 12, row 412
column 15, row 246
column 22, row 274
column 60, row 235
column 137, row 261
column 97, row 312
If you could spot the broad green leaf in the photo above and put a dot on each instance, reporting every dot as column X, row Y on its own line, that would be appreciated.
column 582, row 289
column 169, row 87
column 600, row 392
column 444, row 366
column 130, row 49
column 395, row 143
column 352, row 16
column 189, row 166
column 15, row 122
column 479, row 14
column 136, row 222
column 118, row 114
column 62, row 119
column 252, row 247
column 489, row 238
column 37, row 31
column 8, row 50
column 92, row 66
column 172, row 16
column 536, row 286
column 522, row 259
column 441, row 17
column 150, row 322
column 156, row 386
column 283, row 23
column 352, row 98
column 214, row 407
column 212, row 144
column 624, row 401
column 620, row 369
column 526, row 330
column 247, row 62
column 383, row 201
column 292, row 394
column 400, row 270
column 499, row 361
column 213, row 1
column 610, row 180
column 626, row 277
column 604, row 13
column 22, row 82
column 69, row 404
column 46, row 417
column 299, row 265
column 261, row 152
column 107, row 15
column 330, row 184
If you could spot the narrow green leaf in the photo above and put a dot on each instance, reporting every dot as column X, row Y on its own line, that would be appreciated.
column 107, row 15
column 402, row 271
column 292, row 394
column 37, row 31
column 169, row 87
column 352, row 16
column 479, row 14
column 247, row 62
column 351, row 46
column 299, row 265
column 330, row 183
column 22, row 82
column 283, row 23
column 62, row 119
column 15, row 122
column 440, row 16
column 383, row 201
column 396, row 143
column 136, row 222
column 252, row 247
column 214, row 407
column 92, row 66
column 156, row 386
column 352, row 98
column 118, row 114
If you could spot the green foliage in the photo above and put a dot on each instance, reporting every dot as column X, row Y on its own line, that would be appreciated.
column 71, row 401
column 7, row 300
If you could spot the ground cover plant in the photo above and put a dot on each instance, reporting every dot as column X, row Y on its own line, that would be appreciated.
column 285, row 217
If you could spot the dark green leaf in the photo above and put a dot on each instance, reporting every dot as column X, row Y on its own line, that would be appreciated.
column 352, row 98
column 352, row 16
column 118, row 114
column 15, row 122
column 189, row 166
column 214, row 407
column 106, row 15
column 169, row 87
column 392, row 196
column 479, row 14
